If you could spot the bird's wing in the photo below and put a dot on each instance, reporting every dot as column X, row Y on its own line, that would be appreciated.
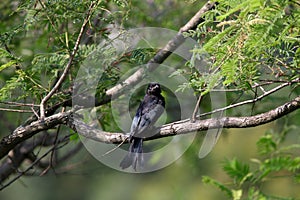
column 150, row 117
column 146, row 116
column 134, row 124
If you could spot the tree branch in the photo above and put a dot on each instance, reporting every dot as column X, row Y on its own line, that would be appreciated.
column 161, row 55
column 175, row 128
column 24, row 132
column 186, row 126
column 21, row 173
column 30, row 128
column 15, row 110
column 20, row 153
column 271, row 91
column 66, row 70
column 119, row 89
column 230, row 122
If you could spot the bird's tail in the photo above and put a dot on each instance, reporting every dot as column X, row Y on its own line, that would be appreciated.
column 135, row 154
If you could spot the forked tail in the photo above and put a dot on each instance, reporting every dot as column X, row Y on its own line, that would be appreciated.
column 135, row 154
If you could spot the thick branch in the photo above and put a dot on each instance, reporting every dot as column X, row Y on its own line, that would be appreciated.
column 186, row 126
column 24, row 132
column 230, row 122
column 175, row 128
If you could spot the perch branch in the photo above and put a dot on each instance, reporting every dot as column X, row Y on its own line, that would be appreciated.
column 186, row 126
column 175, row 128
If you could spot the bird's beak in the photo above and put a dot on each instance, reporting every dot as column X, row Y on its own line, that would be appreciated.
column 154, row 88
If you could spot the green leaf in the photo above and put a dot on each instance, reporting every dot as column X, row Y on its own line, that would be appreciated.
column 244, row 6
column 282, row 163
column 210, row 45
column 266, row 144
column 223, row 188
column 238, row 171
column 121, row 3
column 229, row 70
column 6, row 65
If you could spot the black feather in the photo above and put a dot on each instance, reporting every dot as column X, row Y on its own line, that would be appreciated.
column 148, row 112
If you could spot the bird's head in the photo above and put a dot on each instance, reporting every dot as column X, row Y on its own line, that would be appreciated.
column 153, row 88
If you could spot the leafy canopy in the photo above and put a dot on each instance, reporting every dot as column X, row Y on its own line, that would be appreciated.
column 246, row 42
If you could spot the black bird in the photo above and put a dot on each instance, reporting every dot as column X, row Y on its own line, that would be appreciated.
column 149, row 110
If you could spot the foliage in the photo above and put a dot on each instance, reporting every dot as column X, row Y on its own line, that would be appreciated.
column 276, row 159
column 250, row 42
column 46, row 33
column 244, row 43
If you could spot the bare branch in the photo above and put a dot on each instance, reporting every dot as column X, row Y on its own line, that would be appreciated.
column 10, row 103
column 236, row 122
column 20, row 153
column 180, row 127
column 186, row 126
column 175, row 128
column 250, row 100
column 194, row 115
column 24, row 132
column 95, row 134
column 15, row 110
column 136, row 77
column 29, row 168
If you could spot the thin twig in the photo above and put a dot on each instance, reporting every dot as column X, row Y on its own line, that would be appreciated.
column 278, row 81
column 196, row 109
column 15, row 110
column 66, row 70
column 29, row 168
column 113, row 149
column 63, row 141
column 52, row 157
column 10, row 103
column 51, row 166
column 35, row 113
column 255, row 95
column 247, row 101
column 265, row 82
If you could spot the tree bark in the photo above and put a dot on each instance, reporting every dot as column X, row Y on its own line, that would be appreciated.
column 175, row 128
